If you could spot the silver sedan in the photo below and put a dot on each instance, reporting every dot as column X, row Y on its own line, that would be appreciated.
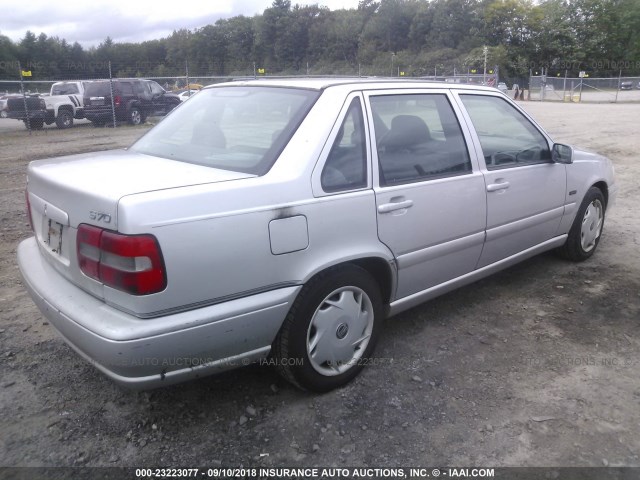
column 286, row 219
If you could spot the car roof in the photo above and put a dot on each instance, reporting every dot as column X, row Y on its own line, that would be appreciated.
column 362, row 83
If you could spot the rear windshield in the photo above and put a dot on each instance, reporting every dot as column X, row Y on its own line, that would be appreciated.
column 239, row 128
column 65, row 89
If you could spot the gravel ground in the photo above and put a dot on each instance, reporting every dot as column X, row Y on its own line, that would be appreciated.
column 535, row 366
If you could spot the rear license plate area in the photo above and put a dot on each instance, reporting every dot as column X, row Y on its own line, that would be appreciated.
column 52, row 235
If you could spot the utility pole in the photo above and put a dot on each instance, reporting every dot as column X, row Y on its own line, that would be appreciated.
column 485, row 51
column 113, row 106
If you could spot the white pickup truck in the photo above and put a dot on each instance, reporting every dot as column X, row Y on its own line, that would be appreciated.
column 62, row 105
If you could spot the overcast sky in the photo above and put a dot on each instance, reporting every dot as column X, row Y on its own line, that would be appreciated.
column 90, row 22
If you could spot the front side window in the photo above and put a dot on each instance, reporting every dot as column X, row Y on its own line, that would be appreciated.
column 346, row 167
column 156, row 89
column 507, row 137
column 239, row 128
column 418, row 138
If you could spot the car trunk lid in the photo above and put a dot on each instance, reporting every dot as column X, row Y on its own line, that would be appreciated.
column 68, row 191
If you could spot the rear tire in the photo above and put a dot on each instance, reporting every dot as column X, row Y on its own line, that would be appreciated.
column 135, row 116
column 586, row 230
column 331, row 329
column 64, row 120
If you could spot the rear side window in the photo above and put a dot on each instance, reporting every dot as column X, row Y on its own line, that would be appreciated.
column 125, row 88
column 507, row 137
column 98, row 89
column 65, row 89
column 418, row 138
column 345, row 168
column 141, row 88
column 239, row 128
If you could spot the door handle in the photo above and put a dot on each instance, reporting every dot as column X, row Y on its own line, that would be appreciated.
column 494, row 187
column 392, row 207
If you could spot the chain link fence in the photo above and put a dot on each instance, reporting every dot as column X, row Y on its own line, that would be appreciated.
column 35, row 79
column 27, row 94
column 584, row 89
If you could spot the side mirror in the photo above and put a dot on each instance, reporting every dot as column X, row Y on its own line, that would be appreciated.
column 562, row 153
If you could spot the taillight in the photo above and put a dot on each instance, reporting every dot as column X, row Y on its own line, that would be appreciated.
column 131, row 263
column 116, row 100
column 26, row 197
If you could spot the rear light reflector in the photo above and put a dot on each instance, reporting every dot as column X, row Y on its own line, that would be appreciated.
column 117, row 100
column 130, row 263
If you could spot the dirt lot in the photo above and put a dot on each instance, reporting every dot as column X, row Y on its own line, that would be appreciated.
column 535, row 366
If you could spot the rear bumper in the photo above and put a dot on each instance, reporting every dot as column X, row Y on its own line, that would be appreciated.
column 104, row 112
column 150, row 353
column 33, row 114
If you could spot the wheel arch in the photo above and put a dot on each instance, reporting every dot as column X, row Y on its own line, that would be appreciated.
column 67, row 108
column 381, row 272
column 380, row 269
column 604, row 188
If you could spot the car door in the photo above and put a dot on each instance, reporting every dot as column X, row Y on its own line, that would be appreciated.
column 145, row 100
column 158, row 100
column 525, row 190
column 430, row 200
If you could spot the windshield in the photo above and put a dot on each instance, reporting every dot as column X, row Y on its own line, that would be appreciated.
column 239, row 128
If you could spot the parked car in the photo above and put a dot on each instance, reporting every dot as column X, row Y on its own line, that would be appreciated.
column 503, row 87
column 134, row 100
column 36, row 110
column 186, row 94
column 4, row 103
column 290, row 232
column 627, row 85
column 61, row 106
column 194, row 86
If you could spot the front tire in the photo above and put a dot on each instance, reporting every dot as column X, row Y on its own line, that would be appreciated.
column 64, row 120
column 586, row 230
column 331, row 329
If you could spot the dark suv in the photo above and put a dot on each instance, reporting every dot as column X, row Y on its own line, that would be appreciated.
column 134, row 100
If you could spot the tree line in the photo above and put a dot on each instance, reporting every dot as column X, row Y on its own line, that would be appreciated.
column 385, row 37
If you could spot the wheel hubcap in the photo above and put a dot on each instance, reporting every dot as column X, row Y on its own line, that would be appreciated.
column 340, row 330
column 591, row 225
column 135, row 116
